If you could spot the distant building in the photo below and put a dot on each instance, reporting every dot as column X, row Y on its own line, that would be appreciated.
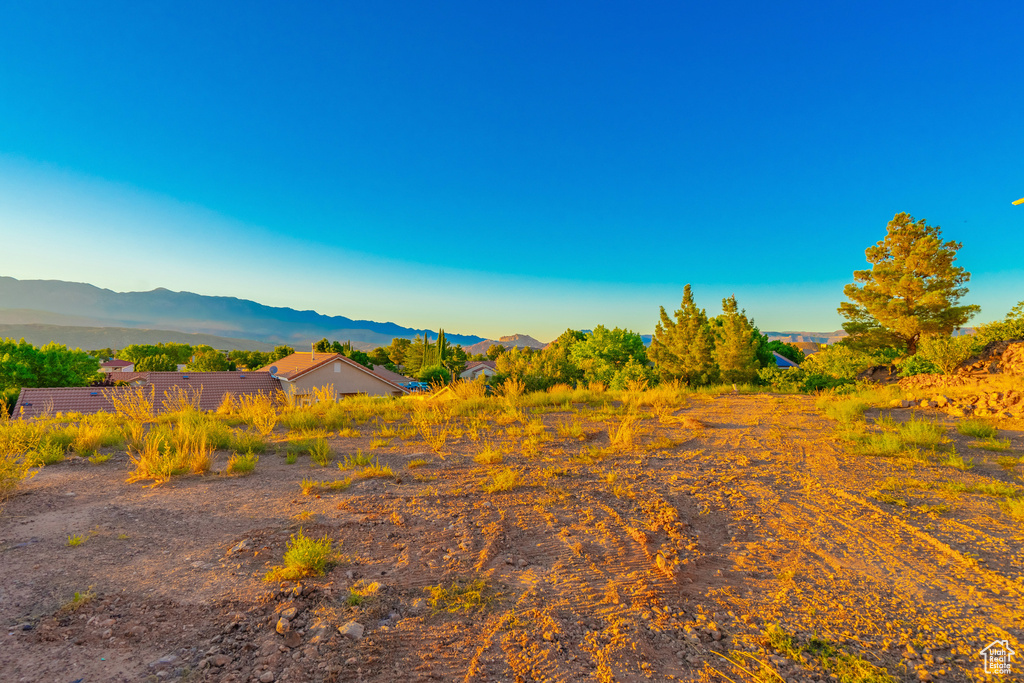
column 474, row 369
column 116, row 365
column 304, row 373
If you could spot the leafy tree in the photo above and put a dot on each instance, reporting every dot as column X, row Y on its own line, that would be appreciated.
column 323, row 346
column 280, row 352
column 209, row 360
column 398, row 350
column 53, row 365
column 786, row 350
column 158, row 363
column 912, row 289
column 683, row 347
column 1016, row 313
column 735, row 344
column 494, row 350
column 102, row 354
column 435, row 374
column 379, row 356
column 603, row 353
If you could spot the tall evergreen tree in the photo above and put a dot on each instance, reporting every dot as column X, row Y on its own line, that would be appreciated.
column 912, row 289
column 736, row 344
column 684, row 348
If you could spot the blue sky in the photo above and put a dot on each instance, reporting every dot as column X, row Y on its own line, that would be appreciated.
column 522, row 168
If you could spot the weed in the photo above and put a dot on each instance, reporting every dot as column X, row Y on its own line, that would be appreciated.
column 503, row 480
column 957, row 461
column 844, row 667
column 361, row 591
column 489, row 456
column 242, row 463
column 622, row 436
column 78, row 600
column 99, row 458
column 46, row 453
column 418, row 462
column 353, row 461
column 248, row 442
column 979, row 429
column 348, row 432
column 922, row 433
column 473, row 596
column 993, row 444
column 571, row 430
column 843, row 410
column 304, row 556
column 291, row 458
column 75, row 540
column 310, row 485
column 320, row 452
column 164, row 454
column 1009, row 462
column 135, row 404
column 378, row 443
column 1014, row 508
column 375, row 469
column 886, row 498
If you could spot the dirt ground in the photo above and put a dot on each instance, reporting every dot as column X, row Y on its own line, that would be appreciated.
column 650, row 562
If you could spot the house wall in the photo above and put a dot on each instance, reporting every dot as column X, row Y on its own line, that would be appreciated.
column 345, row 378
column 477, row 371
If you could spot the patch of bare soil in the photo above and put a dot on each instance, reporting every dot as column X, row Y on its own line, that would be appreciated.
column 648, row 561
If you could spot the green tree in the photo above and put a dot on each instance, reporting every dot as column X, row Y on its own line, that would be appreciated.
column 379, row 356
column 398, row 349
column 735, row 344
column 603, row 353
column 209, row 360
column 786, row 350
column 281, row 352
column 161, row 362
column 494, row 350
column 912, row 289
column 53, row 365
column 684, row 347
column 323, row 346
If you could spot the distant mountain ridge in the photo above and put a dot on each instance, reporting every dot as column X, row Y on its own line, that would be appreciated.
column 89, row 338
column 59, row 302
column 521, row 341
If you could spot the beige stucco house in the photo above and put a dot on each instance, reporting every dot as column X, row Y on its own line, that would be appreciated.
column 302, row 374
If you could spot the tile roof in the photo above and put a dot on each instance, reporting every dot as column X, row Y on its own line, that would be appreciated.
column 211, row 387
column 393, row 376
column 116, row 363
column 478, row 363
column 298, row 364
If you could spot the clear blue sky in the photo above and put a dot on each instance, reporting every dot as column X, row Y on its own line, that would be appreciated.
column 517, row 168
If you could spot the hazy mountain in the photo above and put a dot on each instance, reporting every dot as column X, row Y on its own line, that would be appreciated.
column 119, row 337
column 58, row 302
column 816, row 337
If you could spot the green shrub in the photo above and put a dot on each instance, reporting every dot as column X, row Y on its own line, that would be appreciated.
column 304, row 556
column 242, row 463
column 947, row 353
column 979, row 429
column 916, row 365
column 785, row 380
column 249, row 442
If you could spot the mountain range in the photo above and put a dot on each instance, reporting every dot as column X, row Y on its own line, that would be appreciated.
column 86, row 316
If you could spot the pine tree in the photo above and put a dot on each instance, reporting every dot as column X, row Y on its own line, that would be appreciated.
column 735, row 344
column 912, row 289
column 684, row 348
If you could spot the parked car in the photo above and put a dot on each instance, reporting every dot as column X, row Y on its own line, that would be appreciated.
column 417, row 386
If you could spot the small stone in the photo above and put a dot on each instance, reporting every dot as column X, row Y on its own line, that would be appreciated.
column 350, row 660
column 24, row 627
column 164, row 662
column 352, row 629
column 283, row 626
column 290, row 613
column 292, row 639
column 241, row 546
column 267, row 677
column 522, row 562
column 220, row 660
column 350, row 575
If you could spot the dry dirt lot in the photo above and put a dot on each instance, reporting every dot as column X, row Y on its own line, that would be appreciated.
column 735, row 526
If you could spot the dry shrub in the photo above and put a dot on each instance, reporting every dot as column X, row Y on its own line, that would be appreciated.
column 259, row 411
column 134, row 404
column 597, row 387
column 511, row 389
column 691, row 422
column 625, row 433
column 178, row 399
column 164, row 454
column 469, row 389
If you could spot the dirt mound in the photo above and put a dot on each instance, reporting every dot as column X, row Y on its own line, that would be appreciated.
column 989, row 360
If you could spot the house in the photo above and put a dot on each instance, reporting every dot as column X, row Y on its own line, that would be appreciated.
column 474, row 369
column 116, row 365
column 303, row 374
column 809, row 348
column 783, row 362
column 206, row 389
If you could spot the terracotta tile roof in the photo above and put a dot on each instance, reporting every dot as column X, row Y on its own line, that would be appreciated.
column 298, row 364
column 484, row 363
column 116, row 363
column 213, row 386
